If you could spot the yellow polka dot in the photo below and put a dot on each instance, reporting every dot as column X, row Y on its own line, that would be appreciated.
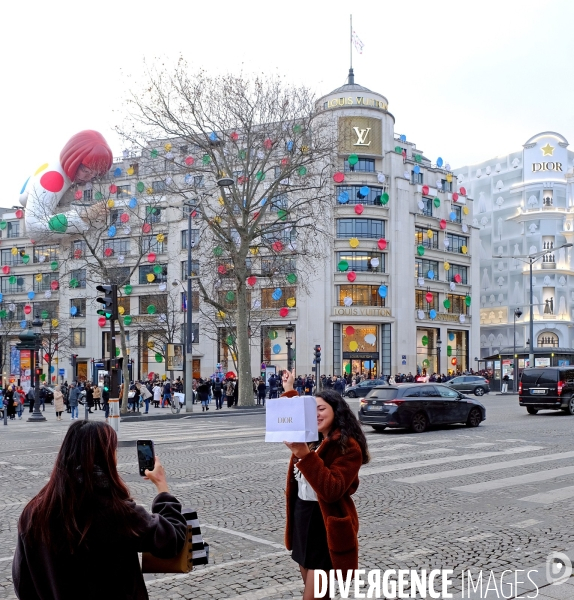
column 42, row 168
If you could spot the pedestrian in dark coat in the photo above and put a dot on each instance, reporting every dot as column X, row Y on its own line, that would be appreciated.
column 89, row 397
column 9, row 401
column 322, row 521
column 85, row 512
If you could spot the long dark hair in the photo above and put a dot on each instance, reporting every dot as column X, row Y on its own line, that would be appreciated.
column 83, row 478
column 346, row 422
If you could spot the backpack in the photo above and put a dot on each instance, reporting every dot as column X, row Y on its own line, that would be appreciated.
column 217, row 387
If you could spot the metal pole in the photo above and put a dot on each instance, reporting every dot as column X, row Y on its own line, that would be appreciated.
column 289, row 360
column 514, row 361
column 189, row 328
column 531, row 348
column 36, row 415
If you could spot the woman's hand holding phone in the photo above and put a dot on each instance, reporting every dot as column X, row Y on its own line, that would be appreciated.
column 157, row 476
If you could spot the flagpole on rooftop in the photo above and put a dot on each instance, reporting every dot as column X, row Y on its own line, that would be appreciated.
column 351, row 74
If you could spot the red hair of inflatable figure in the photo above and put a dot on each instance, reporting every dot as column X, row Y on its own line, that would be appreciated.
column 88, row 148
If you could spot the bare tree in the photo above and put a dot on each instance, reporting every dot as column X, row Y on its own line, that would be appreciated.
column 254, row 162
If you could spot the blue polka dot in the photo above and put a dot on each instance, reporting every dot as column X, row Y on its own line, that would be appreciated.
column 24, row 186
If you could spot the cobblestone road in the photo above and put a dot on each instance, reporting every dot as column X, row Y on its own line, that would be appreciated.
column 493, row 498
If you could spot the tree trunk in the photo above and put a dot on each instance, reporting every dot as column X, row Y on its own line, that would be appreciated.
column 245, row 397
column 125, row 369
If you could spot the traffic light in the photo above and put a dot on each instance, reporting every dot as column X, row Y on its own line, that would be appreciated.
column 106, row 383
column 110, row 301
column 38, row 371
column 317, row 353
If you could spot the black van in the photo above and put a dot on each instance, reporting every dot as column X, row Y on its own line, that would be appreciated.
column 547, row 388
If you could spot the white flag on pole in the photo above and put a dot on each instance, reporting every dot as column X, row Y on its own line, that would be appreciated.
column 357, row 43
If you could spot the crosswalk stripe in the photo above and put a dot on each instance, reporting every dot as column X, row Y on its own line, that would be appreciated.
column 552, row 496
column 519, row 462
column 497, row 484
column 444, row 460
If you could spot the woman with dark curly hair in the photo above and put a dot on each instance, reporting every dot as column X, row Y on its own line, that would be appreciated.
column 322, row 521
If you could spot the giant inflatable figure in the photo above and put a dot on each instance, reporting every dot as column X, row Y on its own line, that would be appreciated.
column 85, row 156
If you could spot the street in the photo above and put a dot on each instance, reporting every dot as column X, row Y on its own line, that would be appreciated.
column 494, row 497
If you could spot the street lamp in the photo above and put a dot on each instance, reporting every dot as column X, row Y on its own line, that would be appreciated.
column 531, row 259
column 438, row 346
column 189, row 317
column 32, row 341
column 515, row 372
column 289, row 335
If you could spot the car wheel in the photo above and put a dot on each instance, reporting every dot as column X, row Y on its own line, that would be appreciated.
column 352, row 394
column 419, row 422
column 379, row 427
column 531, row 411
column 474, row 418
column 478, row 391
column 571, row 406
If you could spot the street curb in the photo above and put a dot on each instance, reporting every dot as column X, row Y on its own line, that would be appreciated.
column 240, row 410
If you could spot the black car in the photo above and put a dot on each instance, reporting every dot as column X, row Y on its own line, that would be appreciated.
column 547, row 388
column 474, row 384
column 416, row 406
column 362, row 389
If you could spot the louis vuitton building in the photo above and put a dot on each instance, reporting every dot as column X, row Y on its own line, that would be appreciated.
column 524, row 204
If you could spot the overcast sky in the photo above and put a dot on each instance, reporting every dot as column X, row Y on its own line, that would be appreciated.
column 465, row 80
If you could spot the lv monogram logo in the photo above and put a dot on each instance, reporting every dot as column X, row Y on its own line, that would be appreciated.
column 362, row 135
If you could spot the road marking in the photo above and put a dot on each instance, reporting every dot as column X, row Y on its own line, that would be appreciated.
column 393, row 447
column 246, row 536
column 477, row 537
column 275, row 591
column 519, row 462
column 527, row 523
column 411, row 454
column 19, row 467
column 444, row 460
column 223, row 565
column 414, row 554
column 479, row 445
column 497, row 484
column 551, row 496
column 6, row 558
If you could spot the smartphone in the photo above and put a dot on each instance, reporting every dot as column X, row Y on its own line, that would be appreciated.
column 146, row 456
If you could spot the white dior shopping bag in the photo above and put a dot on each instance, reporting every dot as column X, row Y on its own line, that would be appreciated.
column 291, row 419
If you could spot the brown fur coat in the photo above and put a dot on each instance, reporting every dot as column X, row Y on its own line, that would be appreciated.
column 334, row 477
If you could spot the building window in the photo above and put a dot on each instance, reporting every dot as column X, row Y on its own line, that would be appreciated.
column 365, row 165
column 117, row 246
column 355, row 196
column 45, row 283
column 80, row 305
column 16, row 315
column 361, row 295
column 80, row 276
column 278, row 265
column 446, row 185
column 427, row 206
column 457, row 210
column 124, row 302
column 46, row 310
column 279, row 203
column 457, row 304
column 363, row 261
column 456, row 242
column 157, row 300
column 194, row 238
column 547, row 339
column 78, row 338
column 194, row 269
column 8, row 287
column 87, row 195
column 115, row 215
column 417, row 178
column 194, row 304
column 360, row 228
column 231, row 304
column 150, row 243
column 280, row 233
column 422, row 238
column 119, row 275
column 267, row 300
column 423, row 268
column 124, row 191
column 198, row 180
column 421, row 301
column 78, row 248
column 13, row 229
column 153, row 214
column 457, row 270
column 158, row 186
column 146, row 270
column 189, row 206
column 11, row 259
column 44, row 254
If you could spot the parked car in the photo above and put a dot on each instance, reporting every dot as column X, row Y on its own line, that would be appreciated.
column 547, row 388
column 362, row 389
column 474, row 384
column 416, row 406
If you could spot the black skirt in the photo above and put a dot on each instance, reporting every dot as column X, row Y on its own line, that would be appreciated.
column 309, row 542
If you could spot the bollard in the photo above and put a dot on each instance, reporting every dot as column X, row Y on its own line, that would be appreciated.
column 86, row 409
column 115, row 414
column 5, row 412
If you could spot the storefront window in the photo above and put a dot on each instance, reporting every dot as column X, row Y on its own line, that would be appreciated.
column 427, row 362
column 361, row 350
column 457, row 351
column 361, row 295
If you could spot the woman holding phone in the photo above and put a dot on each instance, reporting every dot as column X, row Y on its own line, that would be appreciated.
column 85, row 512
column 322, row 521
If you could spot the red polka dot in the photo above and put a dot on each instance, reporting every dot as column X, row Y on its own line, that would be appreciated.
column 52, row 181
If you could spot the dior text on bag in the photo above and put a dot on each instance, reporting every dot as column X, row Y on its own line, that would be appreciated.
column 195, row 551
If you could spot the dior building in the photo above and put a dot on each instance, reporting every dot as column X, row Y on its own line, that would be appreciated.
column 523, row 205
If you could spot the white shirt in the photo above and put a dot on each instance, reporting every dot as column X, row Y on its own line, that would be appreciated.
column 305, row 492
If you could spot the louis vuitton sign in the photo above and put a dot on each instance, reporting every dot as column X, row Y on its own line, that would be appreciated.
column 360, row 135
